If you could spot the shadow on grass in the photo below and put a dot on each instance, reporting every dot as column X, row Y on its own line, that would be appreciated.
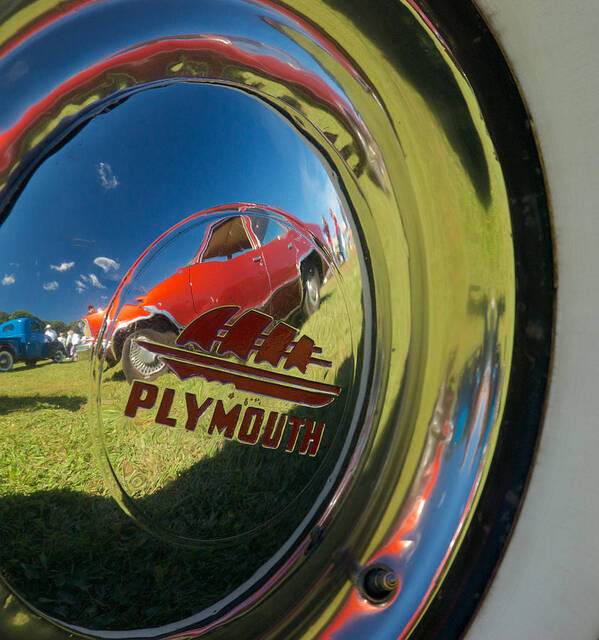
column 8, row 404
column 20, row 367
column 117, row 376
column 79, row 558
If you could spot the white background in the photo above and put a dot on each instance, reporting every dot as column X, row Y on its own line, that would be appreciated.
column 548, row 583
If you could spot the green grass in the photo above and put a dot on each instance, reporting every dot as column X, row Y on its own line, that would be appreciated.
column 69, row 548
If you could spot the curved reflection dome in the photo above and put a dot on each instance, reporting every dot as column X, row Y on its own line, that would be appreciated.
column 221, row 332
column 103, row 261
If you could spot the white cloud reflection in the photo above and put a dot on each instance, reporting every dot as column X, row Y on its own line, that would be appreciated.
column 63, row 266
column 107, row 178
column 95, row 282
column 106, row 264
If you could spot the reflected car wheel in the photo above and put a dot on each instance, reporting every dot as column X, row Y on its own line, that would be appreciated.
column 311, row 289
column 6, row 360
column 139, row 363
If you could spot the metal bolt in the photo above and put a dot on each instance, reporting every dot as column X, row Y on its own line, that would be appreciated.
column 378, row 584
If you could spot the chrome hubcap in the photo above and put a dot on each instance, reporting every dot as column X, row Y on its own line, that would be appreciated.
column 143, row 360
column 298, row 473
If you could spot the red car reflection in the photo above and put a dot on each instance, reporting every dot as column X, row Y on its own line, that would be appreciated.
column 246, row 258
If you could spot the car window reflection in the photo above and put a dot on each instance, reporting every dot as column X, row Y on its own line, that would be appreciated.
column 266, row 229
column 227, row 240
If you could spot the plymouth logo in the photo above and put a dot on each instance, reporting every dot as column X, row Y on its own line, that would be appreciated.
column 215, row 338
column 204, row 349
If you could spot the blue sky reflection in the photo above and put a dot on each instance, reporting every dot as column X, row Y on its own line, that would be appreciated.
column 92, row 207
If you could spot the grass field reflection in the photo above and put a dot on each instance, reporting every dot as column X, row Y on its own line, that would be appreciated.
column 73, row 553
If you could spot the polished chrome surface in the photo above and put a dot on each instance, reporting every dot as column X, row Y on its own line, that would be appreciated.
column 130, row 139
column 254, row 363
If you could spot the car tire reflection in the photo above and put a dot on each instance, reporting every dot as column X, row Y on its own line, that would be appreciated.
column 310, row 288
